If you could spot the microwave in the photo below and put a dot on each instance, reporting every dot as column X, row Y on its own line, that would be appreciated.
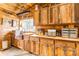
column 51, row 32
column 65, row 32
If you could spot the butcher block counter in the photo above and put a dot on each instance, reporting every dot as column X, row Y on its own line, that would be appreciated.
column 53, row 46
column 49, row 46
column 56, row 38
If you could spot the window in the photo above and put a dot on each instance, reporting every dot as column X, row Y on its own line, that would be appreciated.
column 28, row 25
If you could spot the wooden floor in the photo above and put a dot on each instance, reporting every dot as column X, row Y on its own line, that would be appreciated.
column 15, row 52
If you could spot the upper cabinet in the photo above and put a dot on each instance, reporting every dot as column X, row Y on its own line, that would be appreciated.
column 54, row 15
column 58, row 14
column 44, row 15
column 66, row 13
column 36, row 17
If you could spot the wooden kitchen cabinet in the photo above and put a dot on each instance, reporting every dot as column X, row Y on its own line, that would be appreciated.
column 43, row 47
column 36, row 16
column 15, row 42
column 21, row 44
column 50, row 48
column 66, row 13
column 59, row 48
column 37, row 46
column 70, row 48
column 54, row 11
column 44, row 15
column 34, row 45
column 77, row 48
column 63, row 48
column 46, row 47
column 27, row 42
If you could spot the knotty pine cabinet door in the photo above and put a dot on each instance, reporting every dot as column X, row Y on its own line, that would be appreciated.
column 37, row 45
column 59, row 48
column 65, row 48
column 44, row 15
column 15, row 42
column 34, row 41
column 36, row 16
column 32, row 44
column 77, row 48
column 50, row 47
column 26, row 43
column 43, row 47
column 54, row 15
column 66, row 13
column 46, row 47
column 21, row 44
column 70, row 48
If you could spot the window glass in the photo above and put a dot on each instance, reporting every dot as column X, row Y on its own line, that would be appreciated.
column 28, row 25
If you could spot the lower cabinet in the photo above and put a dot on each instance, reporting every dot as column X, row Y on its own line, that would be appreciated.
column 21, row 44
column 27, row 43
column 46, row 47
column 37, row 46
column 15, row 42
column 63, row 48
column 43, row 47
column 77, row 48
column 70, row 48
column 34, row 45
column 59, row 48
column 50, row 47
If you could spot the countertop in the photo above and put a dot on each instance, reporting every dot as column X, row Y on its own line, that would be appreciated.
column 56, row 38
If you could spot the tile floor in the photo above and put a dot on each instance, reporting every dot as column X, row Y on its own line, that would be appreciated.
column 15, row 52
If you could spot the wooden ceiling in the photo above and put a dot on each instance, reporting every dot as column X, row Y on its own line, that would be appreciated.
column 17, row 10
column 14, row 9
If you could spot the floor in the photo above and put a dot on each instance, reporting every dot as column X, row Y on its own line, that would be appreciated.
column 15, row 52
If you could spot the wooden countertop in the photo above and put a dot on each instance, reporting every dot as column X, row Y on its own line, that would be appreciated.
column 56, row 38
column 27, row 33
